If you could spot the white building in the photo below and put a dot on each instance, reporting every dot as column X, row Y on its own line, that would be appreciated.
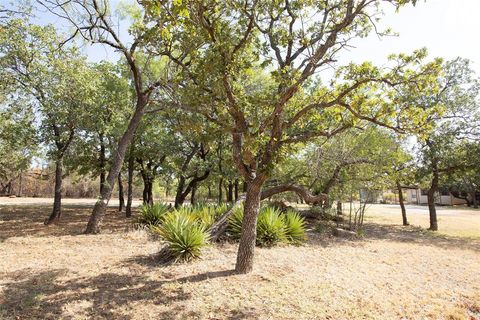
column 419, row 196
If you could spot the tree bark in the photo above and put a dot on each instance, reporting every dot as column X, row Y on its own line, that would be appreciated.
column 121, row 198
column 220, row 189
column 101, row 163
column 57, row 201
column 131, row 167
column 474, row 200
column 100, row 207
column 230, row 191
column 246, row 247
column 431, row 200
column 182, row 194
column 339, row 208
column 303, row 192
column 193, row 194
column 402, row 204
column 236, row 189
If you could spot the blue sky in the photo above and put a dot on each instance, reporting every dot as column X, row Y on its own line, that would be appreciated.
column 447, row 28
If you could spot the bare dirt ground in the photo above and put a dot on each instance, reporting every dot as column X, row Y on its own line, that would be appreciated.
column 394, row 272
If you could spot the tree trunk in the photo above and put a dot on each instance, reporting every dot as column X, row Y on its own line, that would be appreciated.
column 192, row 195
column 145, row 188
column 180, row 196
column 236, row 189
column 431, row 201
column 102, row 161
column 246, row 248
column 339, row 208
column 20, row 187
column 131, row 165
column 209, row 196
column 474, row 200
column 57, row 202
column 220, row 189
column 402, row 204
column 121, row 198
column 150, row 191
column 100, row 207
column 230, row 191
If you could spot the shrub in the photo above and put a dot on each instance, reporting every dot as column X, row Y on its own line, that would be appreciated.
column 270, row 228
column 152, row 215
column 294, row 227
column 185, row 237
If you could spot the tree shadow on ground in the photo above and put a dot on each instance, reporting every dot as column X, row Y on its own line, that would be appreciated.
column 323, row 236
column 418, row 235
column 43, row 295
column 21, row 221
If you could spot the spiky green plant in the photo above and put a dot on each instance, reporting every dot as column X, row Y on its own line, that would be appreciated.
column 183, row 234
column 294, row 227
column 205, row 215
column 270, row 227
column 152, row 215
column 234, row 227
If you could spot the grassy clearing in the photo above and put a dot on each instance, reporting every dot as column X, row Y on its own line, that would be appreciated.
column 392, row 273
column 452, row 221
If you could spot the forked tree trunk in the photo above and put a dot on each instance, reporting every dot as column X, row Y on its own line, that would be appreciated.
column 402, row 204
column 100, row 207
column 57, row 202
column 246, row 247
column 131, row 165
column 121, row 198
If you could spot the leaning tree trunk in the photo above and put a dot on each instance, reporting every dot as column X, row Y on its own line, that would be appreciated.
column 246, row 248
column 131, row 167
column 431, row 200
column 121, row 198
column 57, row 202
column 100, row 207
column 402, row 204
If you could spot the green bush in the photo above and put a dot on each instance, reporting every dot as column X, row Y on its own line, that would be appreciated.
column 270, row 228
column 185, row 237
column 294, row 227
column 152, row 215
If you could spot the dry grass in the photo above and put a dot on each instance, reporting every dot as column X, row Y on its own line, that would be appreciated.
column 392, row 273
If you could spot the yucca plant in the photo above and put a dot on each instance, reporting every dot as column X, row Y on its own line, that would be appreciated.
column 294, row 227
column 205, row 215
column 220, row 209
column 270, row 227
column 152, row 215
column 184, row 236
column 234, row 227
